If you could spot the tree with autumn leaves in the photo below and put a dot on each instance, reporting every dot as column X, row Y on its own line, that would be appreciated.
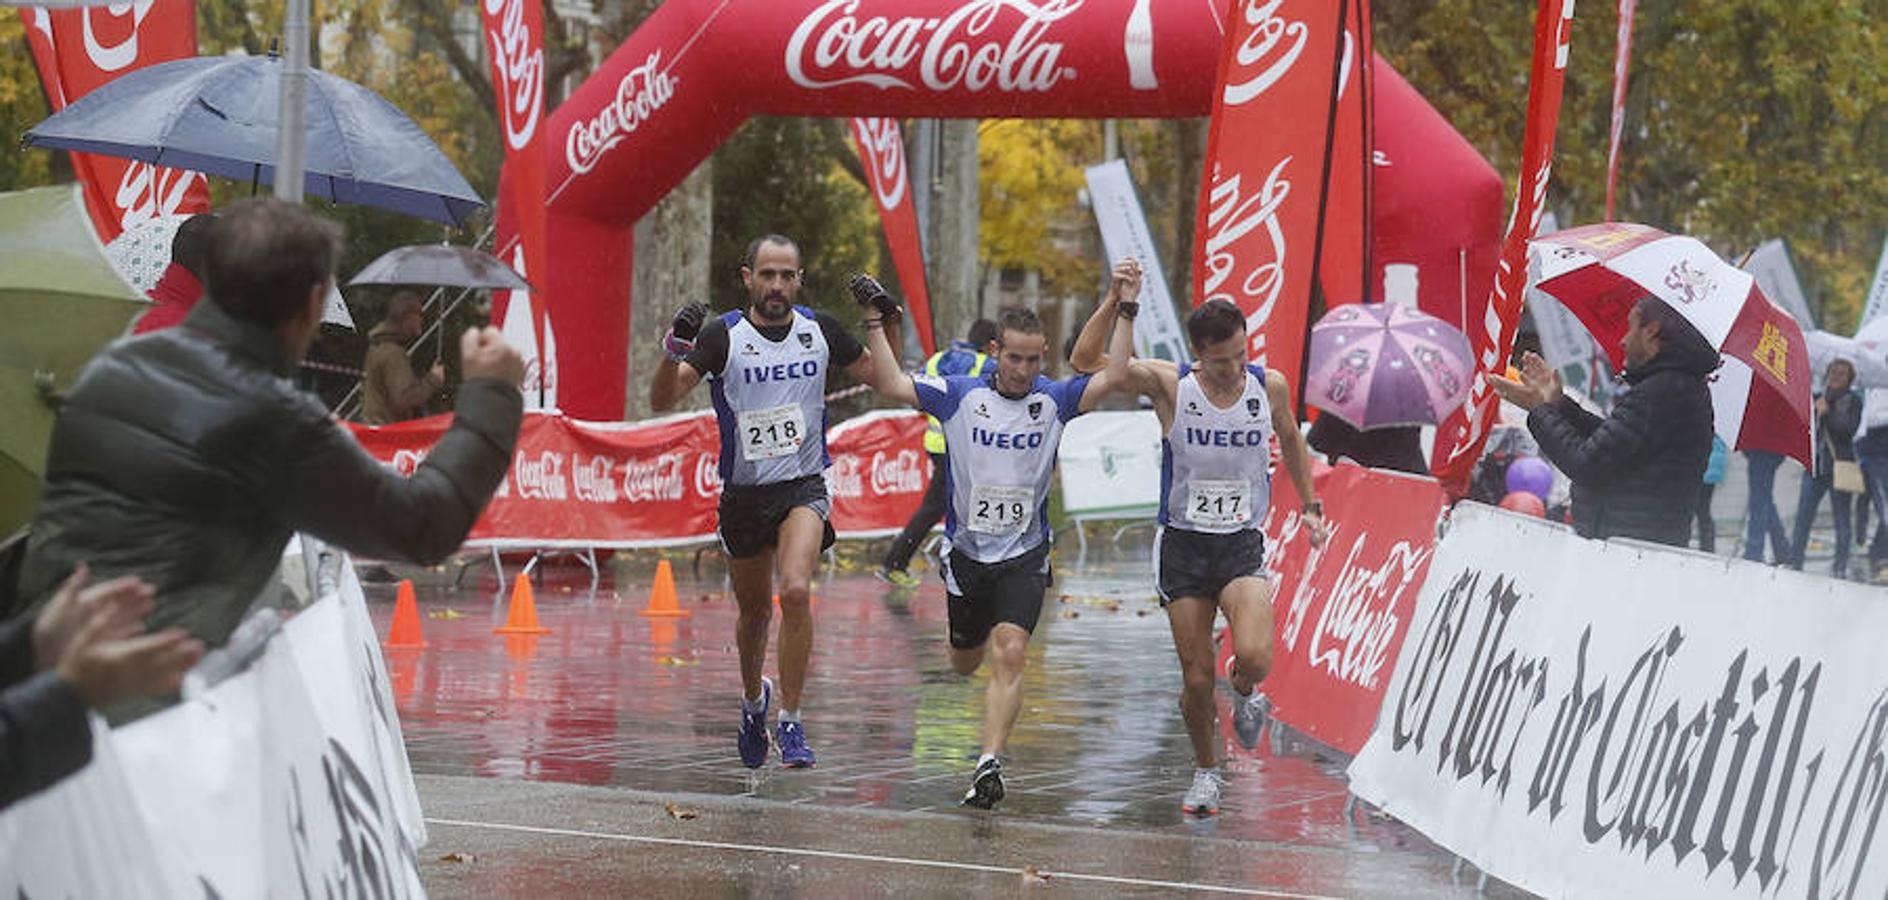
column 1745, row 119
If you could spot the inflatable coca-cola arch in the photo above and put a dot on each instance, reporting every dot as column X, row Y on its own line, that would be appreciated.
column 696, row 69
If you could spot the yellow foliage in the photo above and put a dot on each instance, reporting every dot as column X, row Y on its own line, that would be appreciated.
column 1029, row 182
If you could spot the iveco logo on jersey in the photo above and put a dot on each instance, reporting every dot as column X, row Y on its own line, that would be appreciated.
column 1005, row 441
column 1208, row 437
column 807, row 368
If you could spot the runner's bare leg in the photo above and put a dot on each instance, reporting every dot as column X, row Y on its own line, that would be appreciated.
column 1009, row 653
column 800, row 537
column 753, row 590
column 1191, row 619
column 1248, row 606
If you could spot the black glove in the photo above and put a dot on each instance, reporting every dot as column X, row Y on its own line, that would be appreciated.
column 868, row 292
column 688, row 319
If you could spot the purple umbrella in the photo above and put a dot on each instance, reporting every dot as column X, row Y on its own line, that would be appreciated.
column 1379, row 364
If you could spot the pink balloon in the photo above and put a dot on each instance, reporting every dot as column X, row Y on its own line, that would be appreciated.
column 1524, row 502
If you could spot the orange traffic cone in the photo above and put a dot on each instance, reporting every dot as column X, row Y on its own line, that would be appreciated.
column 405, row 633
column 523, row 618
column 662, row 603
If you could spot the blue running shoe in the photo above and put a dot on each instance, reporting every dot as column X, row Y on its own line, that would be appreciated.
column 794, row 753
column 753, row 735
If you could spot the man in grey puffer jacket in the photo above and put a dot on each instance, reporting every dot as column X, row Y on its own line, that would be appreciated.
column 188, row 458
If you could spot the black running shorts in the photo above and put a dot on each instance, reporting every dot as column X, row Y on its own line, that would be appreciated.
column 979, row 595
column 1197, row 564
column 751, row 514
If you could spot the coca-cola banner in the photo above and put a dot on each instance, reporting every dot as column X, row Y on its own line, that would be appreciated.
column 514, row 40
column 1265, row 159
column 883, row 153
column 654, row 483
column 1343, row 271
column 79, row 49
column 1459, row 441
column 1622, row 66
column 1340, row 613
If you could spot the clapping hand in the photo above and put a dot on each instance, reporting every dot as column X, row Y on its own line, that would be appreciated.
column 1539, row 383
column 94, row 638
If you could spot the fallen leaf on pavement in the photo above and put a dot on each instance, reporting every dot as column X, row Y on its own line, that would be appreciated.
column 680, row 812
column 1071, row 614
column 458, row 858
column 445, row 614
column 1033, row 875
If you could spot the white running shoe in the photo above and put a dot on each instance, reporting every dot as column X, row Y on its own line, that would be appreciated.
column 1203, row 797
column 1249, row 714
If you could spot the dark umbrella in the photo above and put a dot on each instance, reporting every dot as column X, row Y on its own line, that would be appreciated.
column 440, row 264
column 219, row 115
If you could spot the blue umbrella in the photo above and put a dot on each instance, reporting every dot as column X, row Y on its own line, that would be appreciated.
column 219, row 115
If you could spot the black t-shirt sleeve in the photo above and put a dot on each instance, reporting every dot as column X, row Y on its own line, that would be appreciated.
column 844, row 349
column 710, row 356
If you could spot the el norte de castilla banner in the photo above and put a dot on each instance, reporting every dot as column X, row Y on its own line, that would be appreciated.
column 1608, row 719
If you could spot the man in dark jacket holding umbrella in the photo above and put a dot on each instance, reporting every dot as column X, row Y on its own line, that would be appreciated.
column 1635, row 473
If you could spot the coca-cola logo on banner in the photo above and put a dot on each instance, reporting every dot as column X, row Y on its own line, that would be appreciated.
column 147, row 191
column 540, row 477
column 519, row 61
column 983, row 44
column 643, row 91
column 885, row 158
column 898, row 473
column 657, row 479
column 591, row 481
column 111, row 43
column 843, row 479
column 1266, row 54
column 1230, row 216
column 707, row 476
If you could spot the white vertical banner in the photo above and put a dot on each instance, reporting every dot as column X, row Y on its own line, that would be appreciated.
column 1770, row 265
column 1615, row 719
column 1157, row 333
column 540, row 363
column 1877, row 302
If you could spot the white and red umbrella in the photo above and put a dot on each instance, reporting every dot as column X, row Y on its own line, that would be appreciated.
column 1761, row 394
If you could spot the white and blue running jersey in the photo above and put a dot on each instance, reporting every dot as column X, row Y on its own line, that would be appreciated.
column 770, row 402
column 1000, row 455
column 1215, row 464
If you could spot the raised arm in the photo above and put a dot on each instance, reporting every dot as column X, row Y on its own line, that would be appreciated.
column 1115, row 375
column 674, row 377
column 1296, row 455
column 1086, row 358
column 881, row 314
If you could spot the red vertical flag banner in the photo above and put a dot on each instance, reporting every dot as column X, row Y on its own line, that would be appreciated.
column 1460, row 440
column 882, row 150
column 514, row 40
column 76, row 50
column 1266, row 156
column 1622, row 64
column 1343, row 259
